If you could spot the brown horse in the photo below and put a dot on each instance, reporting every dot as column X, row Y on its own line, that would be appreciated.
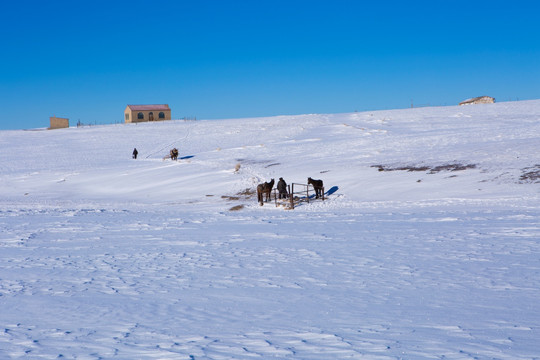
column 174, row 154
column 264, row 188
column 317, row 186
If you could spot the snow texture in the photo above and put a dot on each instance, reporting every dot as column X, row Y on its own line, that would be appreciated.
column 426, row 246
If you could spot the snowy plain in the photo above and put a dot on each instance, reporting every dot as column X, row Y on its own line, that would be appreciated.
column 427, row 245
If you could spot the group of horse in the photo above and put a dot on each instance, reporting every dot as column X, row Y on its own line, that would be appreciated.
column 264, row 190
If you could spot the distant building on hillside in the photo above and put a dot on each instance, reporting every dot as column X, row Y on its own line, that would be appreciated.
column 478, row 100
column 58, row 123
column 142, row 113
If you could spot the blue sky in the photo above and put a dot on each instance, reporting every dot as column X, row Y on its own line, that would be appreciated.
column 86, row 60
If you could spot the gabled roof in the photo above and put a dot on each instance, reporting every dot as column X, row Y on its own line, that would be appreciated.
column 149, row 107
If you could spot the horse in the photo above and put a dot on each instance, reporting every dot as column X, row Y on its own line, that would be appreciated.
column 317, row 186
column 264, row 188
column 174, row 154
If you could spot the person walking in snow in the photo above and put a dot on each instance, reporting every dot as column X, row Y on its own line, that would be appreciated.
column 282, row 188
column 135, row 153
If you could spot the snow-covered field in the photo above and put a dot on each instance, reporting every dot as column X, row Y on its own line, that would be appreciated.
column 426, row 247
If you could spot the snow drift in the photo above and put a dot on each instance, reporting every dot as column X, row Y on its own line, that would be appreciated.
column 426, row 247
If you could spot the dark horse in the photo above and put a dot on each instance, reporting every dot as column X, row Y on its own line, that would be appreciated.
column 317, row 186
column 264, row 188
column 174, row 154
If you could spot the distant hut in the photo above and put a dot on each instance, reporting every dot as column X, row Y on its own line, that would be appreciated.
column 142, row 113
column 478, row 100
column 58, row 123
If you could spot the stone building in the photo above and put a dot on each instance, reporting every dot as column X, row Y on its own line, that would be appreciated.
column 142, row 113
column 478, row 100
column 58, row 123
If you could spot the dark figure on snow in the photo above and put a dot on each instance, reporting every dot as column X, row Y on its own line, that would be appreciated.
column 282, row 188
column 264, row 189
column 174, row 154
column 135, row 153
column 317, row 186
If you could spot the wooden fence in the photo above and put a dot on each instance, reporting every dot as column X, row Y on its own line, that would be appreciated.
column 297, row 193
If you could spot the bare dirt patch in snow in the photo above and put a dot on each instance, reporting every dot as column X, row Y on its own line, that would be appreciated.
column 430, row 168
column 236, row 208
column 247, row 193
column 243, row 195
column 530, row 175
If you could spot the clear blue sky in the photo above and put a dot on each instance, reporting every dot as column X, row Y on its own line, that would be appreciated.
column 86, row 60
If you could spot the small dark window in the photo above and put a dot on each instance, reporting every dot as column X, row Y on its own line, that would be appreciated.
column 162, row 115
column 127, row 117
column 140, row 116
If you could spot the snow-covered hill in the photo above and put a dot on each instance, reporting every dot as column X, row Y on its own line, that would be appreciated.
column 426, row 245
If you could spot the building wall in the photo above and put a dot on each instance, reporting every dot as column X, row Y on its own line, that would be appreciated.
column 132, row 116
column 58, row 123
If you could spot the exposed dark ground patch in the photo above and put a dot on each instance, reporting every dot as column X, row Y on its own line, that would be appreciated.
column 236, row 208
column 530, row 175
column 247, row 193
column 425, row 168
column 243, row 195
